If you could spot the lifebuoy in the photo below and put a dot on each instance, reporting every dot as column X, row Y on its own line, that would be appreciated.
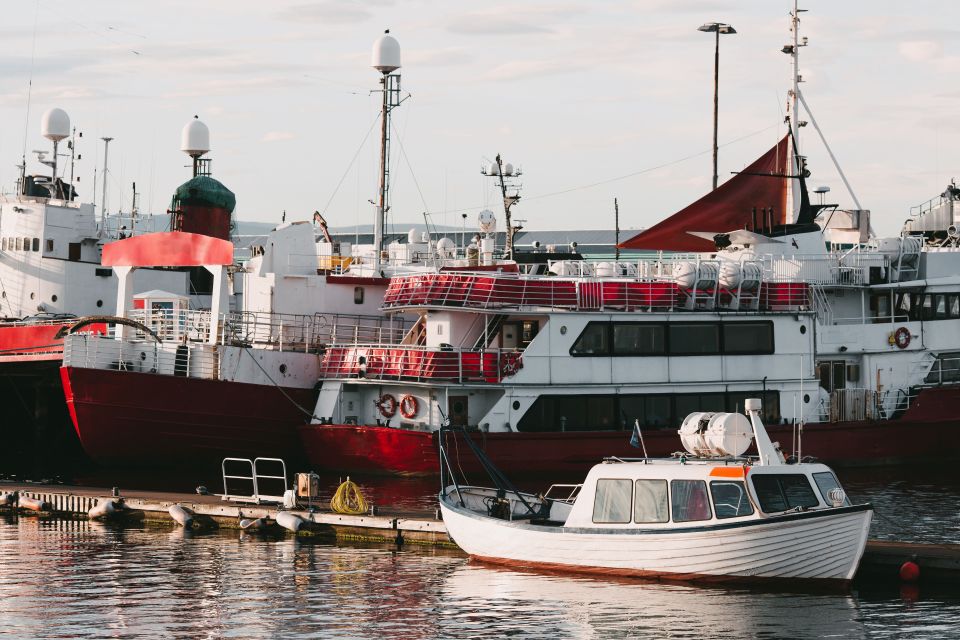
column 409, row 406
column 509, row 365
column 901, row 338
column 387, row 405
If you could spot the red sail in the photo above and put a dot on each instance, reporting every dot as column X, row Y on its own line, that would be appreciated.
column 727, row 208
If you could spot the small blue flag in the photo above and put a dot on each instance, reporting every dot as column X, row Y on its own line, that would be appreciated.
column 635, row 438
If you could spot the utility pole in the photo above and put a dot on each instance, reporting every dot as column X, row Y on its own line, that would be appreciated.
column 716, row 28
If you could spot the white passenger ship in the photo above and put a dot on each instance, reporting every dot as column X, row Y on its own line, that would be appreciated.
column 850, row 339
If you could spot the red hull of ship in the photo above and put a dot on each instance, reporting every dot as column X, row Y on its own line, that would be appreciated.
column 928, row 429
column 129, row 418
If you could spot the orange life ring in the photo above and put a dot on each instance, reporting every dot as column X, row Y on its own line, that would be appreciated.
column 387, row 405
column 901, row 338
column 409, row 406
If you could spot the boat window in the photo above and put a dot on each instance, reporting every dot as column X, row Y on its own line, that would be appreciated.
column 690, row 502
column 635, row 338
column 594, row 341
column 748, row 337
column 780, row 492
column 36, row 244
column 827, row 482
column 946, row 368
column 730, row 499
column 653, row 411
column 694, row 338
column 612, row 502
column 650, row 503
column 3, row 244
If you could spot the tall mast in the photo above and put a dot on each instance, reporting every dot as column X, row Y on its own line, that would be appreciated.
column 103, row 202
column 793, row 99
column 386, row 60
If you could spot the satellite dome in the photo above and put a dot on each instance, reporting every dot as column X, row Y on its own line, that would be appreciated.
column 494, row 169
column 195, row 138
column 508, row 169
column 55, row 124
column 386, row 54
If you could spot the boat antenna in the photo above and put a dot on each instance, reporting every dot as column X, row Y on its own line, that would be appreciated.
column 386, row 60
column 616, row 230
column 792, row 49
column 26, row 123
column 510, row 193
column 103, row 201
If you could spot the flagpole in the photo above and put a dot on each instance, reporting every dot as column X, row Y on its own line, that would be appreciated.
column 636, row 428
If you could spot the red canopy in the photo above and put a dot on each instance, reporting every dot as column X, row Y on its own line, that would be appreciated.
column 167, row 249
column 727, row 208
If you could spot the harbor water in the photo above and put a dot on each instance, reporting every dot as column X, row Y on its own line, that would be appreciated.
column 73, row 578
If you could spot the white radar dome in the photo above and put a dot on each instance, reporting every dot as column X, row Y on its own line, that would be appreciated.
column 508, row 169
column 55, row 124
column 386, row 54
column 494, row 169
column 487, row 221
column 195, row 138
column 446, row 247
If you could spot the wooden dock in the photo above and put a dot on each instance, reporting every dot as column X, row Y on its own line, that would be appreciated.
column 939, row 563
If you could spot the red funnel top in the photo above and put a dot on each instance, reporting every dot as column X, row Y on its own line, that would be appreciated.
column 727, row 208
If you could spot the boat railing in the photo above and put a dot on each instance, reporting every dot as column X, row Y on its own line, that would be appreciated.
column 420, row 364
column 86, row 351
column 563, row 492
column 280, row 331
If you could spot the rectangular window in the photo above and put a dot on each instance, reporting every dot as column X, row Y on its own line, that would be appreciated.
column 700, row 338
column 612, row 503
column 780, row 492
column 19, row 244
column 748, row 337
column 689, row 500
column 940, row 307
column 26, row 244
column 49, row 244
column 36, row 244
column 636, row 339
column 730, row 499
column 594, row 341
column 358, row 295
column 650, row 502
column 827, row 482
column 3, row 244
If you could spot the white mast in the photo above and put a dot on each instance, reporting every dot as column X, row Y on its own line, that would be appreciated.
column 793, row 119
column 386, row 60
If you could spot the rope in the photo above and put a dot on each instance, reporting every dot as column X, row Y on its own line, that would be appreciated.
column 286, row 395
column 348, row 500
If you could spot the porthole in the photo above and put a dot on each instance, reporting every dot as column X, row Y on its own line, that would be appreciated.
column 283, row 368
column 32, row 295
column 143, row 355
column 563, row 330
column 803, row 328
column 99, row 303
column 53, row 298
column 516, row 405
column 806, row 398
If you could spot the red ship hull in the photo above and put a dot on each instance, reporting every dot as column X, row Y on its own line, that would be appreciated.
column 927, row 429
column 130, row 418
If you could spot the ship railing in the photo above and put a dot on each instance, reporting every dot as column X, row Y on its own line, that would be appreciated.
column 280, row 331
column 141, row 356
column 699, row 287
column 847, row 270
column 420, row 364
column 563, row 492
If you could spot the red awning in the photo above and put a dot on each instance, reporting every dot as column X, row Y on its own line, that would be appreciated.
column 727, row 208
column 167, row 249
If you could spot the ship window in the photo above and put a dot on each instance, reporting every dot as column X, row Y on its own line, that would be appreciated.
column 730, row 499
column 946, row 368
column 650, row 503
column 36, row 244
column 612, row 502
column 634, row 338
column 19, row 244
column 694, row 338
column 3, row 244
column 358, row 295
column 780, row 492
column 593, row 341
column 690, row 502
column 826, row 482
column 73, row 255
column 49, row 244
column 26, row 244
column 688, row 403
column 748, row 337
column 652, row 411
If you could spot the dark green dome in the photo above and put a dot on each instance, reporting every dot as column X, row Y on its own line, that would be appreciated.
column 204, row 191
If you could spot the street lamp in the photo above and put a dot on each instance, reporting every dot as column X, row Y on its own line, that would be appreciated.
column 717, row 28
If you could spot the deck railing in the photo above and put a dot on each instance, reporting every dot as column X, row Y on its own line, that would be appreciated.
column 420, row 364
column 148, row 356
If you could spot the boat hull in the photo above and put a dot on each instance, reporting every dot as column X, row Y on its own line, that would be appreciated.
column 132, row 418
column 817, row 546
column 928, row 428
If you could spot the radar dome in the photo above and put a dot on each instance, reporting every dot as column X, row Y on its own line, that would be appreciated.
column 195, row 138
column 386, row 54
column 55, row 124
column 494, row 169
column 487, row 221
column 508, row 169
column 446, row 247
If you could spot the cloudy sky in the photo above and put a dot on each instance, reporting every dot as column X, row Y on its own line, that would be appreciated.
column 579, row 93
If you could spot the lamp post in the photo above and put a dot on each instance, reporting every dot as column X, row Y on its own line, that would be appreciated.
column 716, row 28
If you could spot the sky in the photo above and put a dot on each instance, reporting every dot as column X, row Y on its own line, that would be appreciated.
column 594, row 100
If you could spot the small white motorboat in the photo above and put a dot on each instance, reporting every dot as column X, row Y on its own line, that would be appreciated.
column 709, row 515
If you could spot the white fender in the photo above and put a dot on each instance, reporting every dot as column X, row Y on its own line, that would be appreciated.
column 290, row 521
column 8, row 498
column 181, row 516
column 254, row 525
column 105, row 509
column 32, row 504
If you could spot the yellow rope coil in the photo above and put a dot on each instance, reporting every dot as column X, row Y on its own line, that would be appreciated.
column 348, row 500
